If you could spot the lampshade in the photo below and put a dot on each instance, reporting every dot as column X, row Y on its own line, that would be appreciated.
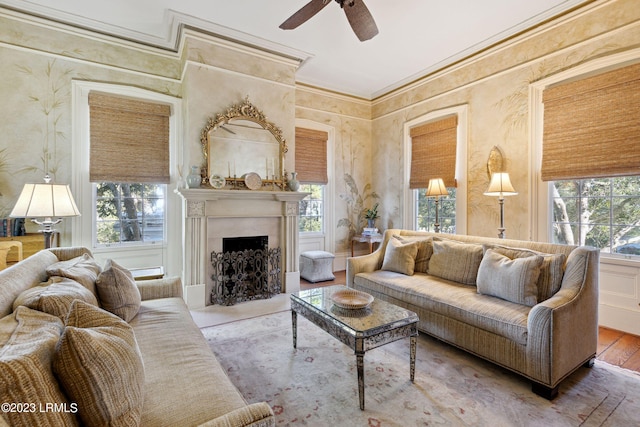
column 500, row 185
column 436, row 188
column 45, row 201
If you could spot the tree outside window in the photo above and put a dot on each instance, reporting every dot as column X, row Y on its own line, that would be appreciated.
column 426, row 211
column 129, row 213
column 312, row 209
column 599, row 212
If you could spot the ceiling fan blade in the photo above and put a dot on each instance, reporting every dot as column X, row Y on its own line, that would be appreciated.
column 361, row 20
column 304, row 14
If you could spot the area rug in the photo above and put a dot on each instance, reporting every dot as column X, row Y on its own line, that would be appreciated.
column 316, row 385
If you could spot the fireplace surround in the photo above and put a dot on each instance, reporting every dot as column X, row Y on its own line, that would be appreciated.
column 210, row 216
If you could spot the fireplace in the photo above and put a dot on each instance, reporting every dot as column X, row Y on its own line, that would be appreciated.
column 245, row 270
column 211, row 216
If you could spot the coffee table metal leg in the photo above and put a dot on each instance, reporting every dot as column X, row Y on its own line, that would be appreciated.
column 412, row 352
column 360, row 366
column 294, row 326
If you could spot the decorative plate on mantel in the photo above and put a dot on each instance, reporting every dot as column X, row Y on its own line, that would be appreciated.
column 217, row 181
column 252, row 180
column 351, row 299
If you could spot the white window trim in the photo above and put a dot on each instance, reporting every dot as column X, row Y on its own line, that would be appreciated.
column 409, row 205
column 541, row 214
column 328, row 233
column 83, row 228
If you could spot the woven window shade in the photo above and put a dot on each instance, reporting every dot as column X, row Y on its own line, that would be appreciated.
column 311, row 156
column 433, row 152
column 129, row 140
column 592, row 127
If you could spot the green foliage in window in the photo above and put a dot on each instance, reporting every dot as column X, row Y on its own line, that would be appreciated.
column 600, row 212
column 129, row 212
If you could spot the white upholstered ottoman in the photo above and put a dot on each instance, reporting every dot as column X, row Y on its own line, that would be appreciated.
column 316, row 266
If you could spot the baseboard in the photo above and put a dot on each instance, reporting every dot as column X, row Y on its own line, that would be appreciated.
column 619, row 318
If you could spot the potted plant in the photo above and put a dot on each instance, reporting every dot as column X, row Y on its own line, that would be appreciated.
column 371, row 215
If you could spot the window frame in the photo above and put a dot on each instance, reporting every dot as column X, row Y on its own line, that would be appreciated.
column 167, row 253
column 410, row 197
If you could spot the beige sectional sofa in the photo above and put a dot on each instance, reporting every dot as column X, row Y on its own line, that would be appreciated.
column 143, row 361
column 529, row 307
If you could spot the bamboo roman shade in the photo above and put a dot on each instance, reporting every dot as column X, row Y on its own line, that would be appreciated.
column 129, row 140
column 433, row 152
column 592, row 127
column 311, row 156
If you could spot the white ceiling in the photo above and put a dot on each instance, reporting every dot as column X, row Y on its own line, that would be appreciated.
column 416, row 36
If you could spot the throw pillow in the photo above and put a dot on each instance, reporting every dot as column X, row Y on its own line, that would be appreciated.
column 82, row 269
column 455, row 261
column 510, row 279
column 100, row 367
column 551, row 271
column 55, row 296
column 118, row 292
column 400, row 257
column 425, row 250
column 26, row 376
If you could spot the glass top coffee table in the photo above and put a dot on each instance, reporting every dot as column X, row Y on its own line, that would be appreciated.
column 362, row 329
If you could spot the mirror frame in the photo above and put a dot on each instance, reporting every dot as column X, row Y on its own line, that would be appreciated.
column 243, row 111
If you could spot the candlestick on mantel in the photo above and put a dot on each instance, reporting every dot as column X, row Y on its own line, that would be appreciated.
column 229, row 169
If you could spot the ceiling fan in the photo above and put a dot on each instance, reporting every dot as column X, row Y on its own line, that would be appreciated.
column 357, row 13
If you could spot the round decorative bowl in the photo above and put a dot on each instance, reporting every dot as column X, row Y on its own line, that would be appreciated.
column 253, row 181
column 351, row 299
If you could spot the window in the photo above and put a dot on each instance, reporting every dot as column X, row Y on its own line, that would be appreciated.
column 426, row 211
column 312, row 209
column 129, row 213
column 594, row 196
column 311, row 163
column 129, row 168
column 600, row 212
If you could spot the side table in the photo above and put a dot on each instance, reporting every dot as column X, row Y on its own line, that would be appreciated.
column 370, row 239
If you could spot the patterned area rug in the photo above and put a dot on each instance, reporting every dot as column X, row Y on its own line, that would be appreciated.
column 316, row 385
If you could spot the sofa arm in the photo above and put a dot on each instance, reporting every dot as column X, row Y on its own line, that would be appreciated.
column 68, row 253
column 364, row 263
column 563, row 330
column 254, row 415
column 160, row 288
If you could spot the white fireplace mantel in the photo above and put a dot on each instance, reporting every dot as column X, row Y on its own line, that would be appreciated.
column 208, row 215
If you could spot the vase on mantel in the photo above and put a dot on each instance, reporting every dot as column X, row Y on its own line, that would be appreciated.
column 194, row 179
column 294, row 185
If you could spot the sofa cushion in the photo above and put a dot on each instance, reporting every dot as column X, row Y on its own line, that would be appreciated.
column 166, row 323
column 422, row 292
column 425, row 250
column 82, row 269
column 551, row 270
column 455, row 261
column 118, row 292
column 55, row 296
column 510, row 279
column 26, row 376
column 400, row 257
column 100, row 367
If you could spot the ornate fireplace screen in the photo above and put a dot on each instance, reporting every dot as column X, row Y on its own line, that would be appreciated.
column 245, row 275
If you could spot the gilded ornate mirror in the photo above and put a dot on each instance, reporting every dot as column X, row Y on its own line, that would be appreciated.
column 243, row 149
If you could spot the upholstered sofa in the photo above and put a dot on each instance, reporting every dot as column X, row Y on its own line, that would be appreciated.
column 83, row 344
column 527, row 306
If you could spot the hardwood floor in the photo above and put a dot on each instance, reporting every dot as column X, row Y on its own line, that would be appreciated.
column 614, row 347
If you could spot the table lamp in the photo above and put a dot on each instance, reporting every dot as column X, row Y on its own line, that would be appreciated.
column 436, row 189
column 48, row 201
column 500, row 186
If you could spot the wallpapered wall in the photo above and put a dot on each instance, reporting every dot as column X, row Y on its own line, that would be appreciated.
column 495, row 87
